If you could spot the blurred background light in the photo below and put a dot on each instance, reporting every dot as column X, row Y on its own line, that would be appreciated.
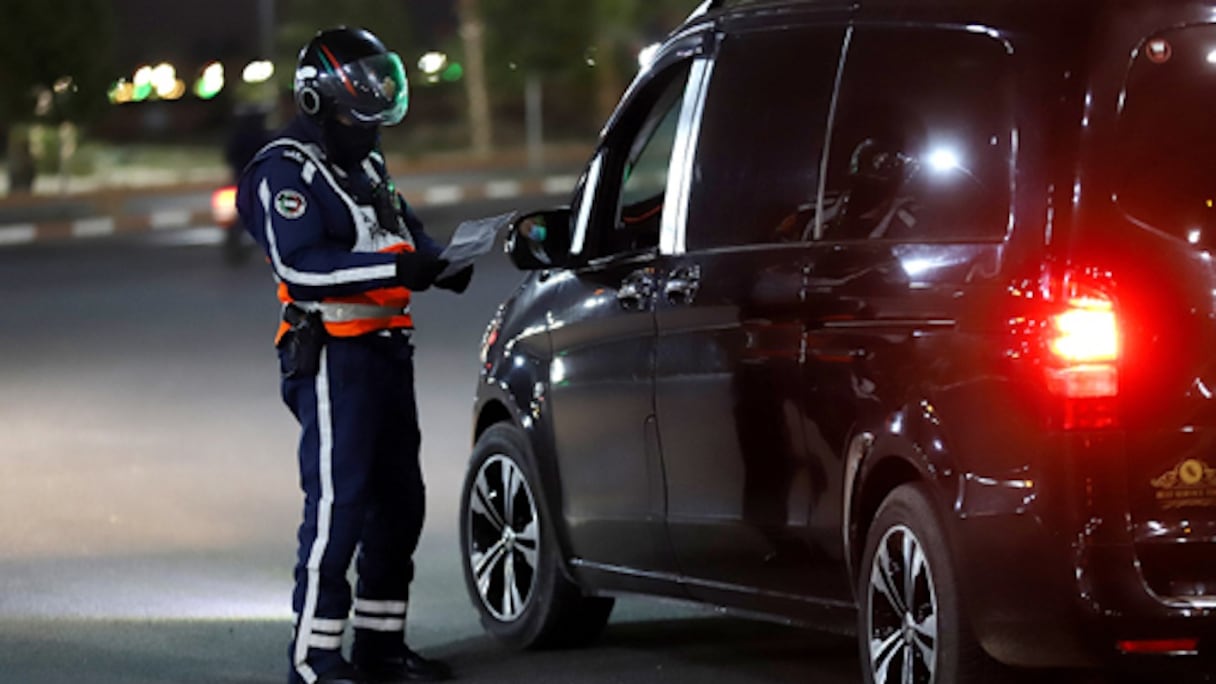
column 258, row 71
column 432, row 63
column 121, row 91
column 164, row 80
column 453, row 73
column 143, row 76
column 141, row 92
column 210, row 82
column 434, row 66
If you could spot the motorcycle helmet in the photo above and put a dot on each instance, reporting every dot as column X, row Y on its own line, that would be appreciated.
column 348, row 75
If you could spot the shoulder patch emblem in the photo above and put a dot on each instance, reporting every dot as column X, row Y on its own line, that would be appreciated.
column 290, row 204
column 294, row 155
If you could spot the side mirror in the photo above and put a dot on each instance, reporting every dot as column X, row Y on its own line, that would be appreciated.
column 540, row 240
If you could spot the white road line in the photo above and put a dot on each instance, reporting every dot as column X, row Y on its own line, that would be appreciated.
column 18, row 234
column 503, row 189
column 160, row 220
column 443, row 194
column 556, row 185
column 94, row 227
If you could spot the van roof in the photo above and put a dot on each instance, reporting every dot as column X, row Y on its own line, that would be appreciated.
column 1068, row 20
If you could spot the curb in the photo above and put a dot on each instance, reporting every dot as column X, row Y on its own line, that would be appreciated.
column 103, row 225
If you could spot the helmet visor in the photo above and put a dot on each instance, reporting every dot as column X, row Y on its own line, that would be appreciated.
column 376, row 89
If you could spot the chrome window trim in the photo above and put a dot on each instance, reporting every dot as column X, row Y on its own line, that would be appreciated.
column 674, row 225
column 588, row 199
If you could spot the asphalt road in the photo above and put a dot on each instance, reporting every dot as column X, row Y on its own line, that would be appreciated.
column 148, row 497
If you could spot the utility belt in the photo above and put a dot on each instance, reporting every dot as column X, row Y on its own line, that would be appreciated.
column 300, row 347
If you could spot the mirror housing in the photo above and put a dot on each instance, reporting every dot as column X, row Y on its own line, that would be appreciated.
column 541, row 240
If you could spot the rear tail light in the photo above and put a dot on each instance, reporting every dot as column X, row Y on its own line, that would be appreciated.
column 1082, row 365
column 1068, row 327
column 1084, row 344
column 1175, row 647
column 223, row 205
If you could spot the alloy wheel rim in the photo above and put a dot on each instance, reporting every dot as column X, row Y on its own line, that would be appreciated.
column 901, row 608
column 504, row 538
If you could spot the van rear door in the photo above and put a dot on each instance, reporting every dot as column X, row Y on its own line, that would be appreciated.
column 1158, row 233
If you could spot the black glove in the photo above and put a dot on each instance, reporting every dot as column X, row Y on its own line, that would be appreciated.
column 457, row 282
column 417, row 271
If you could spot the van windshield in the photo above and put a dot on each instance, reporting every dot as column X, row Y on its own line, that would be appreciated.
column 1167, row 136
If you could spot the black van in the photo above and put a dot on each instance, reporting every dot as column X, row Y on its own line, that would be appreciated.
column 883, row 316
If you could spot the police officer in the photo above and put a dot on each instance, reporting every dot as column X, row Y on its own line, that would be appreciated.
column 348, row 254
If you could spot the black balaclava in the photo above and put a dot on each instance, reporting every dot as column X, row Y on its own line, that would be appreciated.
column 345, row 145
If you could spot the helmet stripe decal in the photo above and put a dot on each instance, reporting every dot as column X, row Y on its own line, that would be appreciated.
column 333, row 64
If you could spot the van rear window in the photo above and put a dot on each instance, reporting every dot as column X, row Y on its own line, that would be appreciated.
column 1167, row 136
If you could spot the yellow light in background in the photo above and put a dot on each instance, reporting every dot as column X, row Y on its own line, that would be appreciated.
column 178, row 90
column 258, row 71
column 122, row 92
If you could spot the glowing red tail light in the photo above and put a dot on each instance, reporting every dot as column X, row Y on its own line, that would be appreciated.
column 1159, row 646
column 223, row 205
column 1084, row 344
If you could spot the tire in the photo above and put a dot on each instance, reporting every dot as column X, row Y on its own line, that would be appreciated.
column 511, row 561
column 915, row 621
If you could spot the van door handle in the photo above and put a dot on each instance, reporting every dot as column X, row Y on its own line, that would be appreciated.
column 682, row 284
column 636, row 290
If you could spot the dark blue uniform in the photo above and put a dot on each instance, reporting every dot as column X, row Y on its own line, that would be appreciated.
column 322, row 232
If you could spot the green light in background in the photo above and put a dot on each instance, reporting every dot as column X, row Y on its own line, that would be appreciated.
column 453, row 73
column 142, row 92
column 205, row 91
column 210, row 82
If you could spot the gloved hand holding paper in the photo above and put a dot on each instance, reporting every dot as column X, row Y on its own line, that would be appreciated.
column 470, row 240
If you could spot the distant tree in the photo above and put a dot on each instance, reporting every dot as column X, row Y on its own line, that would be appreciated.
column 588, row 49
column 473, row 34
column 301, row 19
column 48, row 42
column 56, row 65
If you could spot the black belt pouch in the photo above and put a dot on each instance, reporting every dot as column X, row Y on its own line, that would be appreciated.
column 300, row 347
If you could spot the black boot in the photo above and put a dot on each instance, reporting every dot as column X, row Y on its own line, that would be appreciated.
column 344, row 674
column 401, row 665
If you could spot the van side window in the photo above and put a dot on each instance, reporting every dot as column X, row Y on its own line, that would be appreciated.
column 763, row 130
column 1165, row 169
column 922, row 138
column 637, row 157
column 644, row 181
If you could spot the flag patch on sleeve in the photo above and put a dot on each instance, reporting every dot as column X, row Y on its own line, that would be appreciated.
column 290, row 204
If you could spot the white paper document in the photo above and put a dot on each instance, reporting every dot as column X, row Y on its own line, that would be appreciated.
column 472, row 239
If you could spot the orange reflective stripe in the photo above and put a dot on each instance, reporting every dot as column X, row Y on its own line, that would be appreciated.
column 283, row 328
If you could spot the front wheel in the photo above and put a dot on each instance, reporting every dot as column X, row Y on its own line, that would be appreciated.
column 913, row 629
column 509, row 555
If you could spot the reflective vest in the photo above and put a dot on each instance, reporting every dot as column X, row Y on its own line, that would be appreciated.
column 355, row 292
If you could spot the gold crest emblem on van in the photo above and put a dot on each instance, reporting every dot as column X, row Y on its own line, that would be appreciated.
column 1191, row 483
